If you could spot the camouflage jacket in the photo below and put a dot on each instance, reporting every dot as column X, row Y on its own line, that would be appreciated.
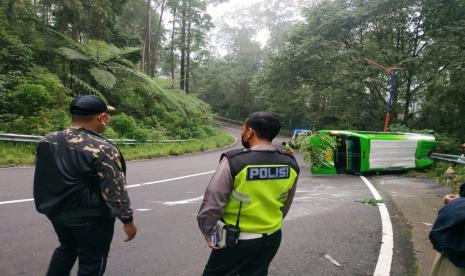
column 80, row 174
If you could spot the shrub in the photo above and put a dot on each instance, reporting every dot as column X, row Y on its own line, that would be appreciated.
column 123, row 125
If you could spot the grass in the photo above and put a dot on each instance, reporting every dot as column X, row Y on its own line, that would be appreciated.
column 22, row 154
column 16, row 154
column 438, row 173
column 154, row 150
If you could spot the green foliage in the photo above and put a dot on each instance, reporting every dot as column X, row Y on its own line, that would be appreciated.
column 127, row 127
column 53, row 50
column 103, row 78
column 446, row 144
column 371, row 201
column 315, row 148
column 153, row 150
column 404, row 128
column 441, row 172
column 16, row 154
column 99, row 61
column 316, row 74
column 34, row 95
column 37, row 104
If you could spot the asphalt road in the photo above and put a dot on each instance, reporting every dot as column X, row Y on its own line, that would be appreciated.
column 324, row 220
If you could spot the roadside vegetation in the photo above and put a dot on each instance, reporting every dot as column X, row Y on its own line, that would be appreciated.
column 444, row 173
column 52, row 51
column 22, row 154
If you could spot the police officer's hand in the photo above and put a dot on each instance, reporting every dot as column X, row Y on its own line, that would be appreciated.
column 130, row 229
column 212, row 246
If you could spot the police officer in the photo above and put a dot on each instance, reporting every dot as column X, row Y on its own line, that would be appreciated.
column 80, row 185
column 251, row 192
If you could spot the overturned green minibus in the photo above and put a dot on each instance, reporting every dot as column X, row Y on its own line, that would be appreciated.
column 360, row 152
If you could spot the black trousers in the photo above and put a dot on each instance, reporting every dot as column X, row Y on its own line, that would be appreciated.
column 249, row 257
column 87, row 239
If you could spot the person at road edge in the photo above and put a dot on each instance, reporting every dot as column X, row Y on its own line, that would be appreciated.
column 80, row 185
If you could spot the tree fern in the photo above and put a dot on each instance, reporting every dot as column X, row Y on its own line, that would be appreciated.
column 84, row 85
column 102, row 52
column 71, row 54
column 103, row 77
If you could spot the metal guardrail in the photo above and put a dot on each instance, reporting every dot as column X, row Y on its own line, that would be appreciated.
column 448, row 158
column 20, row 138
column 36, row 139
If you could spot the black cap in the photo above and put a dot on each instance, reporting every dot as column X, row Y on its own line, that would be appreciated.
column 87, row 105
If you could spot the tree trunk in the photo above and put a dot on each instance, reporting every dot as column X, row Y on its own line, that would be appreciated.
column 183, row 47
column 145, row 66
column 158, row 37
column 75, row 32
column 408, row 99
column 172, row 48
column 188, row 54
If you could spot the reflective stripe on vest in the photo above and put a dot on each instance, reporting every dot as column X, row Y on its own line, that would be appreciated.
column 263, row 190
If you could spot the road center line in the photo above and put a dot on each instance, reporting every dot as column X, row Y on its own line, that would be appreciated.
column 168, row 180
column 16, row 201
column 383, row 266
column 129, row 186
column 185, row 201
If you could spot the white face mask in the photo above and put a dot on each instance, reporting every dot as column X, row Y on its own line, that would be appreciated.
column 101, row 121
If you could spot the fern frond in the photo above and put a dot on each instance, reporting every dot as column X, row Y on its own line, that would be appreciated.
column 103, row 52
column 84, row 85
column 71, row 54
column 125, row 62
column 103, row 77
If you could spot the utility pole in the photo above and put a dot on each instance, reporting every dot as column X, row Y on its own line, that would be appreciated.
column 392, row 71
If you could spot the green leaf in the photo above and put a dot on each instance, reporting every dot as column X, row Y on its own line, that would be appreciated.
column 84, row 85
column 71, row 54
column 103, row 52
column 103, row 77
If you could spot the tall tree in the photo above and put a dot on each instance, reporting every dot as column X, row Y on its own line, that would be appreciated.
column 182, row 73
column 172, row 55
column 145, row 65
column 158, row 36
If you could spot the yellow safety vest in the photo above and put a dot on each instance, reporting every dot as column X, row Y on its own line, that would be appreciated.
column 262, row 180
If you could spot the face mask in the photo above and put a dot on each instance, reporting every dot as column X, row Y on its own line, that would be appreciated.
column 245, row 144
column 102, row 122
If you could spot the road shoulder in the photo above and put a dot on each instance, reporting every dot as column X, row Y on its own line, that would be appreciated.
column 413, row 204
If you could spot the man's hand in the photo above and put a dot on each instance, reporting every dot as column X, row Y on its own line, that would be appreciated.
column 209, row 242
column 448, row 198
column 130, row 229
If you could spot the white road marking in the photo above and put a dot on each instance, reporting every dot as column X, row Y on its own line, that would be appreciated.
column 332, row 260
column 168, row 180
column 143, row 210
column 383, row 266
column 16, row 201
column 129, row 186
column 185, row 201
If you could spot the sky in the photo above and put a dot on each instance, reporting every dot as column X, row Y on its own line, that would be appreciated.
column 224, row 10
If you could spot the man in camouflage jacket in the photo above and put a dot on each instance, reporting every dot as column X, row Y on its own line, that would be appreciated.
column 80, row 185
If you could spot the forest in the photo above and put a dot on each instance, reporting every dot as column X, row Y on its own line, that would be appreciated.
column 53, row 50
column 167, row 66
column 313, row 69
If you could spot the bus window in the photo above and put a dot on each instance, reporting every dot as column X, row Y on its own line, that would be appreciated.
column 347, row 155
